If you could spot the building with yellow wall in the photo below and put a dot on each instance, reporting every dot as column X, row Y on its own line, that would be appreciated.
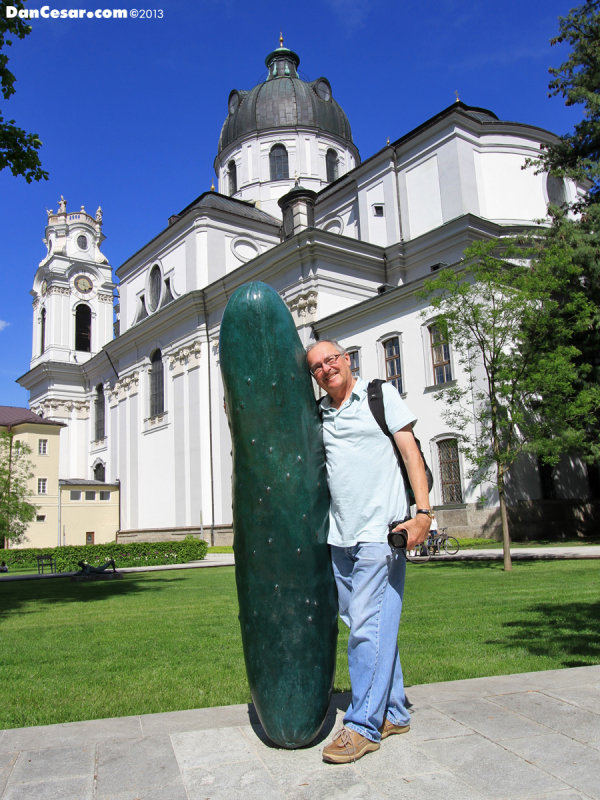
column 71, row 512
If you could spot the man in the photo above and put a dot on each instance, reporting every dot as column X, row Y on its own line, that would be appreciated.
column 367, row 493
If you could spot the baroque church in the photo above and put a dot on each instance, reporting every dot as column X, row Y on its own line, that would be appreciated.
column 346, row 243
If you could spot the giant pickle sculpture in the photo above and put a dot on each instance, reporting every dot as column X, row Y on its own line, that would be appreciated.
column 285, row 585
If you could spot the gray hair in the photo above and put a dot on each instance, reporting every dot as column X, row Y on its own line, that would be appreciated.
column 333, row 342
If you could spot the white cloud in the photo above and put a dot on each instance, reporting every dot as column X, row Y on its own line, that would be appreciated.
column 3, row 324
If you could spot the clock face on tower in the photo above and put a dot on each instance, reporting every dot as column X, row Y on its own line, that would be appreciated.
column 83, row 284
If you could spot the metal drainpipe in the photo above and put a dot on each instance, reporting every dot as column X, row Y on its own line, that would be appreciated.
column 397, row 193
column 210, row 433
column 59, row 509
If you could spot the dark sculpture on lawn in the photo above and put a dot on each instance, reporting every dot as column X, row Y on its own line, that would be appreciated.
column 88, row 569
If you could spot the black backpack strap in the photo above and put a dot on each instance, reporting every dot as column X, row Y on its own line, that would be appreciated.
column 375, row 398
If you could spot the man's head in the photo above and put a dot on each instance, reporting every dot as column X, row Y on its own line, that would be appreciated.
column 329, row 365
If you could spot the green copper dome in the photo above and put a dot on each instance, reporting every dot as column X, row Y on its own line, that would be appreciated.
column 284, row 100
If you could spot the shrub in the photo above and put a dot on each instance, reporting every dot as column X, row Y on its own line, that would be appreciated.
column 134, row 554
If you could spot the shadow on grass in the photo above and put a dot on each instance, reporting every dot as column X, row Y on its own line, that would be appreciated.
column 569, row 632
column 25, row 596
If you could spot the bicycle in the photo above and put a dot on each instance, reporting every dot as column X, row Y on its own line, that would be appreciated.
column 433, row 546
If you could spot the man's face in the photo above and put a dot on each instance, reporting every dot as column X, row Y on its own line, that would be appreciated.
column 333, row 376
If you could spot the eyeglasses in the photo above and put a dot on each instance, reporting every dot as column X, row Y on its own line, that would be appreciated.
column 327, row 362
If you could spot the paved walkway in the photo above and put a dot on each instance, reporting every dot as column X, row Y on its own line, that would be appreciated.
column 534, row 736
column 227, row 560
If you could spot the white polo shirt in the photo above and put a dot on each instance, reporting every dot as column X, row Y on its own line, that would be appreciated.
column 365, row 482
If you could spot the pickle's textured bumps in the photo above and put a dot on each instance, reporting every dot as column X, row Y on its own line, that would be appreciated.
column 286, row 589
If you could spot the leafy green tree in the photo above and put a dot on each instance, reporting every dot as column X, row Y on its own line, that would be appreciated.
column 571, row 247
column 18, row 149
column 576, row 155
column 576, row 227
column 16, row 512
column 498, row 313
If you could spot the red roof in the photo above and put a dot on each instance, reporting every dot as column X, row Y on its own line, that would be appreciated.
column 11, row 416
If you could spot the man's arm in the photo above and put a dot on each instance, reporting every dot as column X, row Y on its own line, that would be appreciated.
column 417, row 528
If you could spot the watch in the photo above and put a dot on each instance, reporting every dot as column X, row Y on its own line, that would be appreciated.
column 427, row 511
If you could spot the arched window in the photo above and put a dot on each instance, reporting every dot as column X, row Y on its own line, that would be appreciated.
column 157, row 391
column 42, row 331
column 393, row 365
column 99, row 409
column 232, row 177
column 278, row 163
column 449, row 464
column 440, row 355
column 331, row 163
column 100, row 472
column 83, row 329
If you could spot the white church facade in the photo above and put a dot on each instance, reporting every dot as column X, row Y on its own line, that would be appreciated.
column 346, row 244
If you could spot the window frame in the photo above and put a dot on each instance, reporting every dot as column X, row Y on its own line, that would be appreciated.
column 156, row 384
column 445, row 363
column 454, row 481
column 83, row 328
column 42, row 486
column 99, row 414
column 279, row 163
column 232, row 184
column 396, row 377
column 332, row 171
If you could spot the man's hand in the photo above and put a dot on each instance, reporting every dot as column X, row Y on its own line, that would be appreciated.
column 416, row 528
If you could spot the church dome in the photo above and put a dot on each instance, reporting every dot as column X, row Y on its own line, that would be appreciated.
column 284, row 100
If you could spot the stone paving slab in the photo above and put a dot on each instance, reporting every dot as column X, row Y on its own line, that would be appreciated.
column 533, row 736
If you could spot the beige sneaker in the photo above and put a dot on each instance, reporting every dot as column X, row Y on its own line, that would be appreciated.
column 348, row 745
column 388, row 728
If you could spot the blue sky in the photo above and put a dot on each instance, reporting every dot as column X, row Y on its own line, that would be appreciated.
column 130, row 111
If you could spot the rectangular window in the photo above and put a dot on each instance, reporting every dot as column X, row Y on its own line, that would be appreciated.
column 104, row 495
column 42, row 485
column 450, row 471
column 40, row 518
column 354, row 363
column 440, row 356
column 42, row 447
column 90, row 495
column 393, row 366
column 75, row 494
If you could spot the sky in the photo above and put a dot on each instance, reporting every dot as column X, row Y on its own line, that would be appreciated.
column 130, row 110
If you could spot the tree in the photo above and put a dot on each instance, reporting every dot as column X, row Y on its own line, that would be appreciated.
column 15, row 472
column 576, row 226
column 497, row 311
column 576, row 155
column 18, row 149
column 571, row 247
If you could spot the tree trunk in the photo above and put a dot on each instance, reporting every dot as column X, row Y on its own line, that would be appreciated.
column 504, row 518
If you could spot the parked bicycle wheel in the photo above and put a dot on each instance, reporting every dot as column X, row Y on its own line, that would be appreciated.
column 451, row 545
column 419, row 554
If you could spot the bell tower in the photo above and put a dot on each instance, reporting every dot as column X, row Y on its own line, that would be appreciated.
column 72, row 290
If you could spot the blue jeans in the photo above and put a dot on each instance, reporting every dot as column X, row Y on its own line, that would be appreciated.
column 370, row 584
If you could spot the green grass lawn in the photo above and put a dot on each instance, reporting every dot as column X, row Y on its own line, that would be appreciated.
column 162, row 641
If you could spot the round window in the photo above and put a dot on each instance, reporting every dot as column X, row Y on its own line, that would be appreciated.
column 82, row 243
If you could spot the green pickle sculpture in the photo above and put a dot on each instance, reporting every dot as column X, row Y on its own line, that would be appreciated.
column 285, row 585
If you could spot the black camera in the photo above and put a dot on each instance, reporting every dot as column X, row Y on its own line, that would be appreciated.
column 398, row 539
